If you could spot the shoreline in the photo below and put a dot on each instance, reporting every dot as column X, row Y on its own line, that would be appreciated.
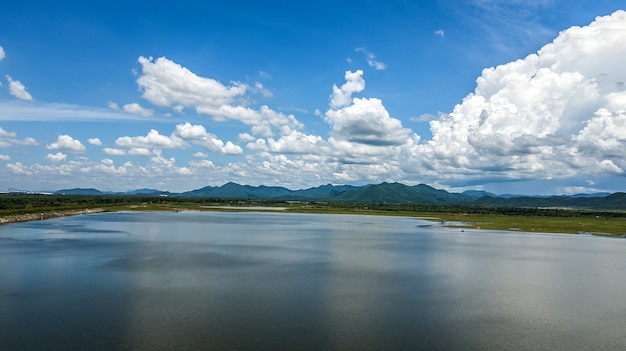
column 27, row 217
column 479, row 222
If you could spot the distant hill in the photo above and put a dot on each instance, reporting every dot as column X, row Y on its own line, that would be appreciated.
column 144, row 191
column 327, row 191
column 478, row 193
column 79, row 191
column 390, row 193
column 400, row 193
column 235, row 191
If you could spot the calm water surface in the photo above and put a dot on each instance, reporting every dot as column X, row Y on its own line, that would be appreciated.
column 277, row 281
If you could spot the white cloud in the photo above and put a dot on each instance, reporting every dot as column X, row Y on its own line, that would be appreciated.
column 67, row 143
column 58, row 157
column 188, row 131
column 200, row 155
column 245, row 137
column 114, row 152
column 106, row 168
column 26, row 142
column 423, row 118
column 554, row 114
column 19, row 168
column 5, row 134
column 258, row 87
column 94, row 141
column 178, row 109
column 8, row 139
column 165, row 83
column 367, row 121
column 2, row 54
column 610, row 166
column 17, row 89
column 371, row 59
column 136, row 109
column 139, row 151
column 298, row 143
column 15, row 110
column 112, row 105
column 201, row 164
column 604, row 135
column 152, row 140
column 440, row 32
column 354, row 84
column 4, row 157
column 198, row 135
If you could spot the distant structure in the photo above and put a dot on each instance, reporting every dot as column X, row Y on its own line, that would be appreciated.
column 27, row 192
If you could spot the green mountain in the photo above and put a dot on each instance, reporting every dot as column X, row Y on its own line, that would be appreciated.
column 323, row 192
column 79, row 191
column 400, row 193
column 235, row 191
column 389, row 193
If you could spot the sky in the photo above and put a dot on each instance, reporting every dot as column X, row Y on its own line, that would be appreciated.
column 517, row 97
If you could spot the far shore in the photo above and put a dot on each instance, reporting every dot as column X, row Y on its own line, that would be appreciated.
column 531, row 224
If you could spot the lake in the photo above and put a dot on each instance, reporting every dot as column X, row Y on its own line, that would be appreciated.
column 284, row 281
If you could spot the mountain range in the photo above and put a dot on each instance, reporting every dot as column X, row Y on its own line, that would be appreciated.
column 392, row 193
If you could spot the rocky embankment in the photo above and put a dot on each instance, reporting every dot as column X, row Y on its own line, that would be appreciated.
column 46, row 215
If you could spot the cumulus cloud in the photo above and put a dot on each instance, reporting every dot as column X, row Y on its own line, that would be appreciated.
column 440, row 32
column 366, row 121
column 152, row 140
column 106, row 167
column 201, row 164
column 17, row 89
column 371, row 59
column 19, row 168
column 2, row 54
column 112, row 105
column 139, row 151
column 197, row 134
column 200, row 154
column 137, row 109
column 354, row 84
column 94, row 141
column 113, row 151
column 552, row 114
column 67, row 143
column 4, row 157
column 168, row 84
column 8, row 139
column 165, row 83
column 58, row 157
column 298, row 143
column 604, row 135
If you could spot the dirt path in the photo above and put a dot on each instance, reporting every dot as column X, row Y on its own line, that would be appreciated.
column 46, row 215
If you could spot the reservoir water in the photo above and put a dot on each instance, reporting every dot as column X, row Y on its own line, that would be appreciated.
column 281, row 281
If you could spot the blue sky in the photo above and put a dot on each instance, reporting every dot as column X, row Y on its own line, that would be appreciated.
column 507, row 96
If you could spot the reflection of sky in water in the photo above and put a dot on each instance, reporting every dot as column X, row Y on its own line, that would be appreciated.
column 295, row 281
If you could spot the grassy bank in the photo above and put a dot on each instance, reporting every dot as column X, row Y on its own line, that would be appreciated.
column 601, row 225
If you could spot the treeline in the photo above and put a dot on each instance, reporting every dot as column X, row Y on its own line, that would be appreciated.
column 11, row 204
column 478, row 210
column 24, row 203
